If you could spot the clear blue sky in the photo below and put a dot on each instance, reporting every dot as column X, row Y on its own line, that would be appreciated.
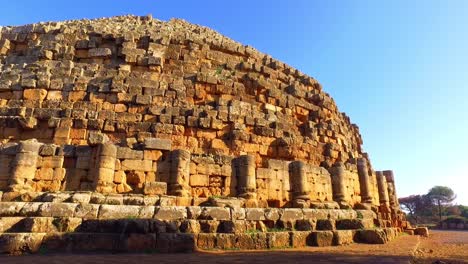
column 399, row 69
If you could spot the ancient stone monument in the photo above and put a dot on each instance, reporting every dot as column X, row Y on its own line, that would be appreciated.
column 177, row 137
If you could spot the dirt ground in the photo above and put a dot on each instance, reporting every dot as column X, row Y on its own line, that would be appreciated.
column 443, row 247
column 440, row 247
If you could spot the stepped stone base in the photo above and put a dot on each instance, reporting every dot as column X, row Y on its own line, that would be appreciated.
column 88, row 222
column 20, row 243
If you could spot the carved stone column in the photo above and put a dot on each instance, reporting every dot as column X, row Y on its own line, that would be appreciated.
column 299, row 184
column 393, row 199
column 383, row 188
column 247, row 184
column 24, row 166
column 338, row 183
column 180, row 173
column 364, row 181
column 105, row 168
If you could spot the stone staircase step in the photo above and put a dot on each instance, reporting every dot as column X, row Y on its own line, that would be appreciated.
column 65, row 242
column 143, row 226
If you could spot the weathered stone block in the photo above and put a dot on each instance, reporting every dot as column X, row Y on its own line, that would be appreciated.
column 255, row 214
column 215, row 213
column 291, row 214
column 155, row 188
column 170, row 213
column 57, row 209
column 158, row 143
column 10, row 208
column 325, row 224
column 127, row 153
column 136, row 165
column 343, row 237
column 99, row 52
column 421, row 231
column 175, row 243
column 374, row 236
column 107, row 211
column 322, row 238
column 278, row 240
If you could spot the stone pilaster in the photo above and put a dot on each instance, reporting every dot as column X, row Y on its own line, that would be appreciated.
column 383, row 188
column 364, row 181
column 338, row 183
column 247, row 185
column 180, row 173
column 24, row 166
column 105, row 168
column 393, row 199
column 299, row 184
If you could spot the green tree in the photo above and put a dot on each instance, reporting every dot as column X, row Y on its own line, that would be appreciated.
column 441, row 196
column 415, row 205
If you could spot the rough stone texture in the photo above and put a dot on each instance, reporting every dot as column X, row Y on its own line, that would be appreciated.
column 111, row 119
column 152, row 87
column 423, row 231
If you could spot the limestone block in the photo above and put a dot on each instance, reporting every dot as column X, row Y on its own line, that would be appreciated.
column 140, row 242
column 234, row 226
column 278, row 240
column 291, row 214
column 10, row 208
column 199, row 180
column 327, row 224
column 52, row 162
column 422, row 231
column 96, row 138
column 322, row 238
column 80, row 197
column 215, row 213
column 88, row 211
column 137, row 165
column 155, row 188
column 301, row 239
column 30, row 209
column 374, row 236
column 146, row 212
column 170, row 213
column 18, row 243
column 127, row 153
column 99, row 52
column 255, row 214
column 264, row 173
column 226, row 241
column 231, row 202
column 193, row 212
column 106, row 162
column 105, row 175
column 35, row 94
column 175, row 243
column 152, row 154
column 45, row 174
column 120, row 177
column 57, row 209
column 190, row 226
column 238, row 213
column 273, row 214
column 343, row 237
column 47, row 150
column 158, row 143
column 107, row 211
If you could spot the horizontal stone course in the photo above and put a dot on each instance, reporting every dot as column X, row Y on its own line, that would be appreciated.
column 113, row 211
column 168, row 242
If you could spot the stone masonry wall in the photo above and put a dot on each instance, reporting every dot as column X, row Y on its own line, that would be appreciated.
column 137, row 105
